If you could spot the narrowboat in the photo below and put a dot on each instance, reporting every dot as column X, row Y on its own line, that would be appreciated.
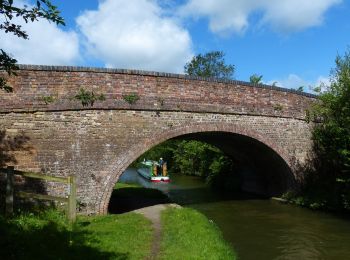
column 153, row 171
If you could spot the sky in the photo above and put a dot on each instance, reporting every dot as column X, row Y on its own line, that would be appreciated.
column 292, row 43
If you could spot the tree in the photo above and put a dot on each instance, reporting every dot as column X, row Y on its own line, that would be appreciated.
column 210, row 65
column 328, row 180
column 332, row 135
column 255, row 79
column 9, row 11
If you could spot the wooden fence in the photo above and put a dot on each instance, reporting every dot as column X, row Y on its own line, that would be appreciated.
column 70, row 201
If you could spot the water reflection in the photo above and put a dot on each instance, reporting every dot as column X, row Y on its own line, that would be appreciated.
column 260, row 229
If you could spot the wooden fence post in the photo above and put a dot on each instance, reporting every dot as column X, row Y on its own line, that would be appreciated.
column 72, row 199
column 9, row 191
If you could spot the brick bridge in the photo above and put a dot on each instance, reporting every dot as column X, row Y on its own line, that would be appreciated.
column 44, row 129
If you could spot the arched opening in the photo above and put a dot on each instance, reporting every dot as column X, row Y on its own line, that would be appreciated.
column 261, row 170
column 264, row 167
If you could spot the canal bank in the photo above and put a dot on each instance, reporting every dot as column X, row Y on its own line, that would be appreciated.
column 178, row 233
column 257, row 228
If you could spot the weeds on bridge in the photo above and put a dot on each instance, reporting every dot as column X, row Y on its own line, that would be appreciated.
column 278, row 107
column 47, row 99
column 88, row 97
column 131, row 98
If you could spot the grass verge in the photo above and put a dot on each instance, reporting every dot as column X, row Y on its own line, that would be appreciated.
column 187, row 234
column 48, row 236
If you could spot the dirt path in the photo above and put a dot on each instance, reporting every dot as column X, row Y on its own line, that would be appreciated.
column 153, row 214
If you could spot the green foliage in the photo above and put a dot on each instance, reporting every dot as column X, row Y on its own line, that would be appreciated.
column 327, row 182
column 222, row 174
column 210, row 65
column 255, row 79
column 9, row 10
column 333, row 134
column 278, row 107
column 47, row 99
column 313, row 199
column 7, row 64
column 88, row 97
column 187, row 234
column 131, row 98
column 193, row 158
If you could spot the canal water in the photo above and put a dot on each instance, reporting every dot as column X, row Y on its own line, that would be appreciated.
column 260, row 229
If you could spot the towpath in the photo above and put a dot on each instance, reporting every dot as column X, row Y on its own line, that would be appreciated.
column 153, row 213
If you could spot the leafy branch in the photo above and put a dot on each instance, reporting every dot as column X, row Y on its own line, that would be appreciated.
column 7, row 64
column 43, row 9
column 8, row 11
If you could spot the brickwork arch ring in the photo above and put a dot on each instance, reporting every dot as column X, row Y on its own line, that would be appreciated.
column 117, row 168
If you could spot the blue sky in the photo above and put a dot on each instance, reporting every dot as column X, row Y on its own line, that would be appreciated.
column 291, row 42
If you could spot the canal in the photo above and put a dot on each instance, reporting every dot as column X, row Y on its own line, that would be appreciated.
column 259, row 228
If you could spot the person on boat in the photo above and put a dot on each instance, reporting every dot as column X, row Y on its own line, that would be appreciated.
column 160, row 163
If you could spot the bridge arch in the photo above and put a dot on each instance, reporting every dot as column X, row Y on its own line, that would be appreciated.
column 97, row 143
column 135, row 151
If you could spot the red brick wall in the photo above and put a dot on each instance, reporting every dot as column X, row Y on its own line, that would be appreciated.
column 170, row 92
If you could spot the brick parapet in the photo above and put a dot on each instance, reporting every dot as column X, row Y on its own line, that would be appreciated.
column 157, row 91
column 157, row 74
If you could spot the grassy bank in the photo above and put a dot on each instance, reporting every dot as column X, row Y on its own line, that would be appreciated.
column 187, row 234
column 48, row 236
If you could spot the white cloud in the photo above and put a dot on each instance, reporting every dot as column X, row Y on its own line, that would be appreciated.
column 282, row 15
column 294, row 81
column 291, row 81
column 135, row 34
column 224, row 15
column 47, row 44
column 296, row 15
column 321, row 80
